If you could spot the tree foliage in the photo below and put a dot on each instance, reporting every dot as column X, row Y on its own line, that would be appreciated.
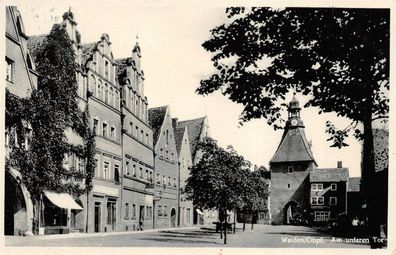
column 49, row 111
column 339, row 57
column 222, row 180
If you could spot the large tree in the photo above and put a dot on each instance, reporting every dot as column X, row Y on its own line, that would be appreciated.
column 338, row 57
column 51, row 109
column 217, row 181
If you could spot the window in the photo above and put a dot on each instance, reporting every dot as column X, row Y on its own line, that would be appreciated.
column 141, row 135
column 81, row 165
column 163, row 179
column 167, row 136
column 161, row 152
column 136, row 131
column 174, row 182
column 288, row 185
column 127, row 168
column 100, row 89
column 9, row 70
column 333, row 200
column 131, row 128
column 151, row 176
column 158, row 178
column 134, row 171
column 188, row 215
column 165, row 211
column 95, row 126
column 147, row 175
column 106, row 93
column 112, row 133
column 141, row 173
column 159, row 210
column 116, row 173
column 146, row 141
column 96, row 168
column 106, row 69
column 290, row 169
column 111, row 96
column 106, row 170
column 133, row 211
column 111, row 214
column 334, row 186
column 316, row 186
column 317, row 200
column 169, row 181
column 126, row 211
column 322, row 216
column 149, row 212
column 104, row 130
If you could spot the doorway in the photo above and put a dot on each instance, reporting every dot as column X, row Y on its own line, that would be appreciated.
column 290, row 213
column 173, row 217
column 97, row 217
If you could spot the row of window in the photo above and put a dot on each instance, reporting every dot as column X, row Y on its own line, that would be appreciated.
column 321, row 200
column 319, row 186
column 138, row 134
column 130, row 212
column 12, row 138
column 167, row 180
column 72, row 161
column 322, row 216
column 105, row 92
column 106, row 130
column 135, row 170
column 162, row 211
column 136, row 105
column 166, row 154
column 107, row 171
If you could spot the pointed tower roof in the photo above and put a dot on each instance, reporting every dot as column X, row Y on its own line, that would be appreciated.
column 294, row 145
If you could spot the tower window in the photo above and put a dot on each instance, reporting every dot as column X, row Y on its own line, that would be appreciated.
column 288, row 185
column 290, row 169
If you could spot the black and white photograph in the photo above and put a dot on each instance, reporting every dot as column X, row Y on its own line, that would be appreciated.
column 186, row 124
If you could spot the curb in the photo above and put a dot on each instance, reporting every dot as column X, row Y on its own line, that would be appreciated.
column 100, row 234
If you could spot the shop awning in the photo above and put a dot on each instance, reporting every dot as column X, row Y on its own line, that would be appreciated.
column 199, row 211
column 62, row 200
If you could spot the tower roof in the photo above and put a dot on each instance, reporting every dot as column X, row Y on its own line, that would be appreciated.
column 194, row 129
column 293, row 147
column 156, row 118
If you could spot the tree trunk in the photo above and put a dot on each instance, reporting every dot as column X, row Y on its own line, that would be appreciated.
column 225, row 232
column 87, row 211
column 221, row 230
column 233, row 231
column 244, row 221
column 368, row 183
column 252, row 223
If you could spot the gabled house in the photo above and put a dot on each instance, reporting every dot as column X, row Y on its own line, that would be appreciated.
column 166, row 186
column 197, row 130
column 183, row 148
column 328, row 195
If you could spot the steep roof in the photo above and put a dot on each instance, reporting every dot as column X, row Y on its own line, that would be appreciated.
column 34, row 43
column 194, row 128
column 381, row 148
column 293, row 147
column 353, row 184
column 329, row 175
column 156, row 117
column 179, row 134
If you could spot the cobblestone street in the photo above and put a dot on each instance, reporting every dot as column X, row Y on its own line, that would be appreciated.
column 262, row 236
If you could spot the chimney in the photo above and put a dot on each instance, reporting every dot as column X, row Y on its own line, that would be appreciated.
column 339, row 164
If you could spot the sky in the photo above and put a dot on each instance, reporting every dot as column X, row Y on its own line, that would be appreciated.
column 170, row 35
